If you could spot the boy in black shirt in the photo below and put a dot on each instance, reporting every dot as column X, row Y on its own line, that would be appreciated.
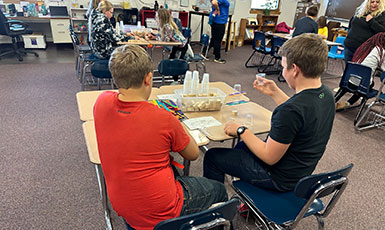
column 307, row 24
column 300, row 125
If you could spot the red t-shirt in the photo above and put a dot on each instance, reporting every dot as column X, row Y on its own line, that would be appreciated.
column 134, row 141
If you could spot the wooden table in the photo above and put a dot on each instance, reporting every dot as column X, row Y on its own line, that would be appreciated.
column 149, row 42
column 170, row 89
column 87, row 99
column 288, row 36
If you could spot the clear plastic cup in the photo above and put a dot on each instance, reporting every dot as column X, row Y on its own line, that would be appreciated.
column 249, row 120
column 259, row 77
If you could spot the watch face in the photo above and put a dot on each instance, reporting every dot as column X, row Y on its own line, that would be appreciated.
column 240, row 130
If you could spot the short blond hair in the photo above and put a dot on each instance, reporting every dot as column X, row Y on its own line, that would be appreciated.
column 308, row 51
column 129, row 64
column 104, row 6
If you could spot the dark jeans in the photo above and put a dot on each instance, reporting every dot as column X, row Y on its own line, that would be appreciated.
column 217, row 32
column 239, row 162
column 183, row 51
column 199, row 193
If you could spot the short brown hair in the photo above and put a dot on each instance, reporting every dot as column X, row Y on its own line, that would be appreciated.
column 308, row 51
column 312, row 11
column 129, row 64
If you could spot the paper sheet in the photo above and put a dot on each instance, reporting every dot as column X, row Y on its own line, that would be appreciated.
column 201, row 122
column 198, row 136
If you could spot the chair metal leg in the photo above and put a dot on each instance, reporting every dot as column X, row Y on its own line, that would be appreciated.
column 99, row 87
column 357, row 125
column 84, row 75
column 339, row 94
column 363, row 103
column 321, row 223
column 104, row 195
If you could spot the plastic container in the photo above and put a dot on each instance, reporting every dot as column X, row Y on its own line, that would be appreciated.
column 195, row 103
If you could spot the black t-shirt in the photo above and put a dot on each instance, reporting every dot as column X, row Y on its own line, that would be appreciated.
column 305, row 121
column 305, row 25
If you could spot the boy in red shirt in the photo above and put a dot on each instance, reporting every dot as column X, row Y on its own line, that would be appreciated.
column 134, row 140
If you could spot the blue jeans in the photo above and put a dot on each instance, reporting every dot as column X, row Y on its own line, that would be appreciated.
column 239, row 162
column 199, row 193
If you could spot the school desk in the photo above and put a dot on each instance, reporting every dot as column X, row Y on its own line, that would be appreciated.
column 87, row 99
column 288, row 36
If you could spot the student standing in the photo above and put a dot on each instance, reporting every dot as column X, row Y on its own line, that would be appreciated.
column 300, row 125
column 368, row 20
column 307, row 24
column 135, row 139
column 218, row 19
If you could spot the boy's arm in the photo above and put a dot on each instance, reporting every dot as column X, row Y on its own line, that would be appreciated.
column 191, row 152
column 268, row 87
column 269, row 152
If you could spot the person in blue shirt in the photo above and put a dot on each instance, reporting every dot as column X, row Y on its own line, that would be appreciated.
column 217, row 20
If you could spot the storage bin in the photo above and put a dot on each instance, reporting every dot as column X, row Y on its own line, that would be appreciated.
column 195, row 103
column 34, row 41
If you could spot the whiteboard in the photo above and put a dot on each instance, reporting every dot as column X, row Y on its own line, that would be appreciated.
column 206, row 5
column 261, row 4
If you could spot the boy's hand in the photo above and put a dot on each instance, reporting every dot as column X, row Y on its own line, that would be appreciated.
column 231, row 128
column 267, row 87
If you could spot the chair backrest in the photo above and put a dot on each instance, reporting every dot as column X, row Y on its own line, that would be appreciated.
column 173, row 67
column 217, row 216
column 186, row 33
column 99, row 69
column 320, row 185
column 331, row 25
column 276, row 43
column 4, row 26
column 259, row 36
column 178, row 23
column 356, row 77
column 340, row 40
column 205, row 39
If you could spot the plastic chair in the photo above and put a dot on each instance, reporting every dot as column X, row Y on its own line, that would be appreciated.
column 171, row 67
column 356, row 80
column 80, row 51
column 220, row 215
column 374, row 117
column 100, row 70
column 197, row 59
column 15, row 29
column 276, row 43
column 284, row 210
column 259, row 38
column 336, row 53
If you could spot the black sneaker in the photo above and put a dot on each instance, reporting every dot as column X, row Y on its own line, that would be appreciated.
column 220, row 61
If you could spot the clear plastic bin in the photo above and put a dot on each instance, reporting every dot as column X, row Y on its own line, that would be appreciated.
column 197, row 103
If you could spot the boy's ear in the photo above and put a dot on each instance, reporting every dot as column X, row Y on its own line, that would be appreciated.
column 148, row 79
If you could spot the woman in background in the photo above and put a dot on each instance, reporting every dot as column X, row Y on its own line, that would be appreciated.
column 169, row 32
column 93, row 4
column 104, row 38
column 322, row 28
column 368, row 20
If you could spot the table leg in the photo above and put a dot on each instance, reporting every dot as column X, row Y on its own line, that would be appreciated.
column 228, row 34
column 103, row 195
column 202, row 21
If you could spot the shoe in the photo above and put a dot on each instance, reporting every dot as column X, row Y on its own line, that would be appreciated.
column 342, row 105
column 203, row 56
column 220, row 61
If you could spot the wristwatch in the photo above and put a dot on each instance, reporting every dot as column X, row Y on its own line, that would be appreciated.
column 240, row 130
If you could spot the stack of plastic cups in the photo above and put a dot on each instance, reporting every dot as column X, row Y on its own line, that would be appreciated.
column 205, row 84
column 195, row 83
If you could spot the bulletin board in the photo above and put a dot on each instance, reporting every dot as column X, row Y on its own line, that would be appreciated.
column 206, row 5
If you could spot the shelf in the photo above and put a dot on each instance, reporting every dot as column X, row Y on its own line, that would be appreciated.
column 82, row 9
column 81, row 32
column 78, row 19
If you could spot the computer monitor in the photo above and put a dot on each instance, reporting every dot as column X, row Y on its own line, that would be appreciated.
column 56, row 11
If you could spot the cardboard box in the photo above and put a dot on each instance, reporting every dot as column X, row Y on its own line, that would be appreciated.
column 34, row 41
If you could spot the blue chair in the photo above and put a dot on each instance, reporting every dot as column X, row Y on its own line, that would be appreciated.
column 374, row 118
column 100, row 70
column 80, row 50
column 259, row 47
column 336, row 53
column 271, row 68
column 356, row 80
column 220, row 215
column 171, row 67
column 284, row 210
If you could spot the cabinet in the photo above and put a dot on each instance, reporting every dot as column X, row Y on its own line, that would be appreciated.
column 182, row 15
column 79, row 23
column 59, row 28
column 264, row 23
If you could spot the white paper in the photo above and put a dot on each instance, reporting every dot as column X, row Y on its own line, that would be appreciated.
column 201, row 122
column 198, row 136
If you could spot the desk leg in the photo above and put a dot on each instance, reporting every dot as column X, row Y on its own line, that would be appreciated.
column 186, row 170
column 103, row 195
column 202, row 21
column 228, row 34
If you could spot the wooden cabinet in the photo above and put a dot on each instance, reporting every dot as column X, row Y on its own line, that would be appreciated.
column 59, row 28
column 264, row 23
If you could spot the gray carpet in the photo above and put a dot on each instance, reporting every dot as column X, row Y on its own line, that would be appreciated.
column 47, row 181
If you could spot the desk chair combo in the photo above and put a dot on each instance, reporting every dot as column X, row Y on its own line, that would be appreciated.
column 259, row 47
column 336, row 52
column 277, row 210
column 81, row 51
column 356, row 80
column 14, row 29
column 375, row 117
column 271, row 67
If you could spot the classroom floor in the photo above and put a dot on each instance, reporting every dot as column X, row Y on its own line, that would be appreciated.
column 46, row 178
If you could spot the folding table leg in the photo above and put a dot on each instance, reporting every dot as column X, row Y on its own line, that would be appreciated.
column 104, row 196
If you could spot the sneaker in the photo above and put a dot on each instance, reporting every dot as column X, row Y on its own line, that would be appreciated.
column 220, row 61
column 203, row 56
column 342, row 105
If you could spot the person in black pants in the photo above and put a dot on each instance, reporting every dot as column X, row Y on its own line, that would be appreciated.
column 217, row 20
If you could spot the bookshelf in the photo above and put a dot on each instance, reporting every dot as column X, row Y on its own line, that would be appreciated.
column 264, row 23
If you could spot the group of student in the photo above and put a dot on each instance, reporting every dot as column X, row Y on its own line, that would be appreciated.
column 135, row 138
column 365, row 41
column 103, row 38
